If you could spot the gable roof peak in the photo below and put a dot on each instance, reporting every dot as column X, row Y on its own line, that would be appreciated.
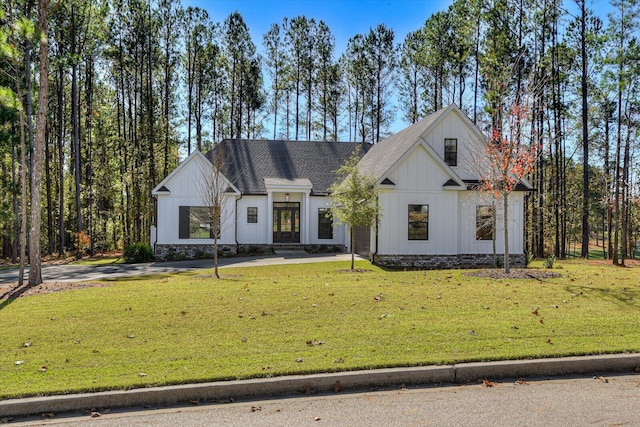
column 387, row 152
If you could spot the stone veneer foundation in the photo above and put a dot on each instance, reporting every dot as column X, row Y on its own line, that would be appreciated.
column 447, row 261
column 166, row 252
column 172, row 252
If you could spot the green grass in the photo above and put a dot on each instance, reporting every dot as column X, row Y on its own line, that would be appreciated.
column 256, row 322
column 100, row 261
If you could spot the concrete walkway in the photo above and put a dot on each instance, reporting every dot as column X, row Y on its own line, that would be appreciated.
column 87, row 273
column 298, row 384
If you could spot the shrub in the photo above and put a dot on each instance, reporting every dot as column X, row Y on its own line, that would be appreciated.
column 529, row 258
column 200, row 254
column 138, row 252
column 548, row 263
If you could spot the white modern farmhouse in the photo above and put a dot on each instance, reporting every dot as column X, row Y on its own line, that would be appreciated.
column 276, row 195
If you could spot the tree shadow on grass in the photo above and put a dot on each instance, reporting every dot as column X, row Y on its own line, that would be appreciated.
column 625, row 296
column 10, row 295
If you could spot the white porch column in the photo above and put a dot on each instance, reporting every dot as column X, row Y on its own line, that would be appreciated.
column 306, row 224
column 269, row 218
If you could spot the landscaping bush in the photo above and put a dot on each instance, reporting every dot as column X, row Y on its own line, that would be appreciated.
column 138, row 252
column 548, row 263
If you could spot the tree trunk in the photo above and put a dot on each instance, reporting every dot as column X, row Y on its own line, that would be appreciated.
column 61, row 228
column 505, row 224
column 35, row 273
column 585, row 134
column 23, row 194
column 353, row 249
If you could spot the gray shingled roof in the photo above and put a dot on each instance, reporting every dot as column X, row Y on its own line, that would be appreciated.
column 248, row 162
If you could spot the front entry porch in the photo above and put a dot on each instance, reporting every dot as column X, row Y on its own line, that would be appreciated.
column 286, row 222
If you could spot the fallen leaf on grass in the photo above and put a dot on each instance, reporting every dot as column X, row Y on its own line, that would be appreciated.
column 44, row 369
column 338, row 360
column 299, row 360
column 142, row 374
column 549, row 341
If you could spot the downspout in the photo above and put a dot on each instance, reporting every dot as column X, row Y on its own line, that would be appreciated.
column 373, row 257
column 236, row 224
column 156, row 239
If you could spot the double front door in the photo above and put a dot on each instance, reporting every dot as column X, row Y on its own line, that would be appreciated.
column 286, row 222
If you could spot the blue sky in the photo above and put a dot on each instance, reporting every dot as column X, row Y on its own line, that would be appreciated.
column 345, row 18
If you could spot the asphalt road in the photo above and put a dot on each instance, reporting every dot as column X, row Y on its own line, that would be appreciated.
column 577, row 401
column 86, row 273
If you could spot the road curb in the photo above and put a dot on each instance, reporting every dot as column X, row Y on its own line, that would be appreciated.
column 295, row 384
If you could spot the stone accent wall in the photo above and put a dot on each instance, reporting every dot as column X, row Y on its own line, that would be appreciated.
column 166, row 252
column 175, row 252
column 432, row 262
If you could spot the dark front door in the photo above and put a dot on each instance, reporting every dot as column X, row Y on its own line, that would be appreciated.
column 286, row 222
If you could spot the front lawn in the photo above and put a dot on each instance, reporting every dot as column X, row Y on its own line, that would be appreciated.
column 288, row 319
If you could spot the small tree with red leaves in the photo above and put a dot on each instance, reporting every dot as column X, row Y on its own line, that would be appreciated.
column 509, row 161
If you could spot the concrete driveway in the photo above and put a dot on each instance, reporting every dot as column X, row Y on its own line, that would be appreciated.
column 87, row 273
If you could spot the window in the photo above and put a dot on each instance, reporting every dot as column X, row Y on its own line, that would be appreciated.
column 484, row 222
column 418, row 222
column 195, row 222
column 252, row 215
column 325, row 224
column 451, row 151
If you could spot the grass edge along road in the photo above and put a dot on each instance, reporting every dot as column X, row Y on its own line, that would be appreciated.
column 294, row 319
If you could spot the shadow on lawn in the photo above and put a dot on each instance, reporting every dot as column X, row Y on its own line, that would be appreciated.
column 624, row 296
column 9, row 296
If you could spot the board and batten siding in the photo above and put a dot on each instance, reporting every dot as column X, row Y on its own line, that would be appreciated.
column 418, row 181
column 467, row 206
column 339, row 230
column 470, row 150
column 252, row 233
column 186, row 189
